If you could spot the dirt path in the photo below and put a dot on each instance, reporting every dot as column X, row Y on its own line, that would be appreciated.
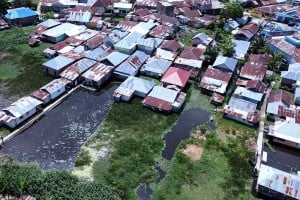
column 5, row 100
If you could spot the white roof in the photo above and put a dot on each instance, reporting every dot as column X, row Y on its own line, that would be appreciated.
column 189, row 62
column 163, row 93
column 241, row 48
column 123, row 5
column 287, row 130
column 279, row 181
column 138, row 84
column 55, row 85
column 65, row 28
column 165, row 54
column 216, row 85
column 244, row 92
column 97, row 72
column 22, row 106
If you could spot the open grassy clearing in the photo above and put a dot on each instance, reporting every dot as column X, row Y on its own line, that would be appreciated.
column 134, row 135
column 221, row 173
column 22, row 67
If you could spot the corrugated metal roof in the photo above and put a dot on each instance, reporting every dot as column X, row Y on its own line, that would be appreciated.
column 253, row 71
column 279, row 95
column 19, row 13
column 263, row 59
column 133, row 63
column 162, row 31
column 243, row 92
column 22, row 106
column 49, row 23
column 82, row 17
column 5, row 117
column 176, row 76
column 242, row 109
column 40, row 94
column 58, row 62
column 241, row 48
column 65, row 28
column 170, row 45
column 126, row 25
column 293, row 72
column 156, row 65
column 286, row 130
column 225, row 63
column 136, row 84
column 73, row 71
column 116, row 35
column 143, row 27
column 99, row 53
column 115, row 58
column 129, row 41
column 95, row 41
column 164, row 94
column 97, row 72
column 55, row 85
column 279, row 181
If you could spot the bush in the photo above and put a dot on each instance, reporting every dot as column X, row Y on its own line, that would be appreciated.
column 83, row 158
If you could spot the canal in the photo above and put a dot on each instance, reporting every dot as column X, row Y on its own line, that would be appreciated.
column 55, row 140
column 188, row 120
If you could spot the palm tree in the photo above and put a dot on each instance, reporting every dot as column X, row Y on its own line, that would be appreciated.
column 276, row 61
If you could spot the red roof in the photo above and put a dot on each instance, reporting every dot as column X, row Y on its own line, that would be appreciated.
column 253, row 71
column 158, row 103
column 279, row 95
column 218, row 74
column 176, row 76
column 171, row 45
column 263, row 59
column 192, row 53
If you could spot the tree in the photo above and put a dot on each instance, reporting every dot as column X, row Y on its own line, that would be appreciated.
column 259, row 46
column 3, row 6
column 276, row 61
column 211, row 54
column 232, row 10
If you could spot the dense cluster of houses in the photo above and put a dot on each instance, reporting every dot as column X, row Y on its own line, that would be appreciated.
column 142, row 51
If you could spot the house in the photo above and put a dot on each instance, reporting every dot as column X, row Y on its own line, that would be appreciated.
column 289, row 78
column 74, row 71
column 42, row 96
column 21, row 16
column 286, row 132
column 270, row 10
column 190, row 58
column 262, row 59
column 114, row 36
column 114, row 59
column 163, row 32
column 78, row 39
column 3, row 24
column 122, row 8
column 253, row 85
column 247, row 32
column 203, row 21
column 168, row 50
column 175, row 78
column 19, row 111
column 225, row 63
column 242, row 111
column 95, row 41
column 128, row 44
column 133, row 86
column 56, row 65
column 56, row 88
column 164, row 99
column 143, row 28
column 96, row 23
column 146, row 4
column 126, row 25
column 99, row 53
column 62, row 31
column 155, row 67
column 231, row 25
column 202, row 38
column 289, row 16
column 248, row 95
column 104, row 5
column 148, row 45
column 277, row 101
column 79, row 17
column 138, row 14
column 166, row 8
column 297, row 96
column 215, row 80
column 272, row 29
column 97, row 75
column 131, row 66
column 43, row 26
column 253, row 71
column 289, row 51
column 276, row 183
column 240, row 48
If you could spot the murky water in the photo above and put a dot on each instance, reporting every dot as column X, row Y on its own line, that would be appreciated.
column 55, row 140
column 180, row 131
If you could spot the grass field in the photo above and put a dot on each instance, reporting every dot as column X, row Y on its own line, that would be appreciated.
column 21, row 66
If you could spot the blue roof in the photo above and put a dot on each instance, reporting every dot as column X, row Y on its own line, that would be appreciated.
column 58, row 62
column 49, row 23
column 18, row 13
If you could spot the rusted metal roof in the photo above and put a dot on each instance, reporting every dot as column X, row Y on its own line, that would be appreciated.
column 95, row 41
column 176, row 76
column 6, row 118
column 217, row 98
column 192, row 53
column 55, row 85
column 158, row 103
column 253, row 71
column 218, row 74
column 73, row 71
column 286, row 47
column 256, row 85
column 162, row 31
column 170, row 45
column 263, row 59
column 127, row 25
column 97, row 72
column 40, row 94
column 271, row 9
column 103, row 3
column 280, row 95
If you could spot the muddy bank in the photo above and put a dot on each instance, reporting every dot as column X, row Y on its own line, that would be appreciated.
column 54, row 141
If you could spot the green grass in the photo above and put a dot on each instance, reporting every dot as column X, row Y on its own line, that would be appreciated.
column 83, row 158
column 195, row 99
column 135, row 134
column 221, row 173
column 22, row 67
column 4, row 131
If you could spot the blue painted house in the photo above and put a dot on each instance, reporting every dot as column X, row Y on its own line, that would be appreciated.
column 21, row 16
